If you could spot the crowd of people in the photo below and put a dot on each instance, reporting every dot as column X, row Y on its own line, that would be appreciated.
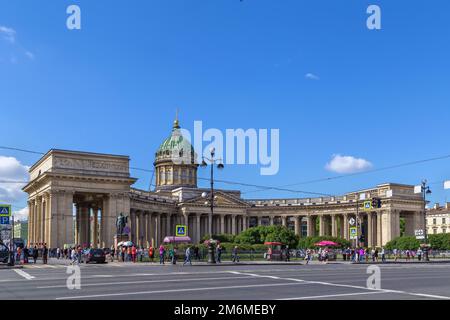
column 361, row 254
column 30, row 254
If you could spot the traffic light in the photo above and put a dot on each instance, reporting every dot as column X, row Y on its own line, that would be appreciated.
column 376, row 203
column 362, row 239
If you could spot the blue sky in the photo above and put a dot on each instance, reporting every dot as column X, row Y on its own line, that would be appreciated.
column 114, row 85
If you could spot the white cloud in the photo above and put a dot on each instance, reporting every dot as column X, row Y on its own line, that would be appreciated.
column 12, row 173
column 8, row 34
column 21, row 215
column 311, row 76
column 348, row 164
column 30, row 55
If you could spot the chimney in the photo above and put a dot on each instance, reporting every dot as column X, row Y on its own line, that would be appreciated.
column 447, row 205
column 436, row 206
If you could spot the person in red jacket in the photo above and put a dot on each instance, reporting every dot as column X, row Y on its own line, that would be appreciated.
column 133, row 254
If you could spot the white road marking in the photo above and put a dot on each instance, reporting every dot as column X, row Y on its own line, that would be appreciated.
column 176, row 291
column 23, row 274
column 350, row 286
column 149, row 281
column 330, row 296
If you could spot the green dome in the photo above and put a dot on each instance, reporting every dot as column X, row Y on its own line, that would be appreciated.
column 176, row 146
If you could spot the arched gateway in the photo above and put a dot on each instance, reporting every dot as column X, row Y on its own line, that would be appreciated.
column 76, row 197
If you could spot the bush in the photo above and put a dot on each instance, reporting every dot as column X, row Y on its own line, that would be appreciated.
column 436, row 241
column 261, row 234
column 403, row 243
column 440, row 241
column 309, row 242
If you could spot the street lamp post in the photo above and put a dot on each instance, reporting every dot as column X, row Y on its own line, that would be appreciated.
column 425, row 191
column 220, row 166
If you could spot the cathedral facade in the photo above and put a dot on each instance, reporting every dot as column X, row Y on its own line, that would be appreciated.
column 75, row 198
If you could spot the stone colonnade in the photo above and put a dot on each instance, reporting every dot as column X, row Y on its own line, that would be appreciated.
column 150, row 228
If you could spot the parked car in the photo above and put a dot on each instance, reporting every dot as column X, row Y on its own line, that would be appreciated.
column 4, row 253
column 94, row 255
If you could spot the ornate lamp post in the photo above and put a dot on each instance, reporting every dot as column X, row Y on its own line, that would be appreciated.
column 425, row 191
column 210, row 202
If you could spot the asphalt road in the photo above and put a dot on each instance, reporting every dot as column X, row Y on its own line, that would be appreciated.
column 242, row 282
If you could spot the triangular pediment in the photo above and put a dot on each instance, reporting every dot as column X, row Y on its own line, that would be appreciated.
column 222, row 199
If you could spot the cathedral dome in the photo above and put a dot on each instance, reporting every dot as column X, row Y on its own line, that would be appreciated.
column 176, row 148
column 175, row 162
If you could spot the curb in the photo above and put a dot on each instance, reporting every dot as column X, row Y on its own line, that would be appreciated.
column 402, row 262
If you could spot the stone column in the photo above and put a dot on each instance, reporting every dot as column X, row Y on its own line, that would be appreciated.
column 84, row 221
column 94, row 228
column 379, row 229
column 334, row 229
column 222, row 224
column 36, row 220
column 158, row 228
column 369, row 230
column 258, row 219
column 45, row 227
column 133, row 225
column 30, row 222
column 271, row 220
column 67, row 222
column 43, row 219
column 197, row 227
column 321, row 225
column 298, row 226
column 146, row 230
column 152, row 241
column 345, row 226
column 284, row 221
column 233, row 224
column 310, row 226
column 244, row 223
column 169, row 230
column 39, row 219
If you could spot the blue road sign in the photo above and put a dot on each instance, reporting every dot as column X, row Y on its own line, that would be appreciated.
column 181, row 230
column 5, row 210
column 4, row 220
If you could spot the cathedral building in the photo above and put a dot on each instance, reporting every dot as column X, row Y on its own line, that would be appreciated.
column 75, row 198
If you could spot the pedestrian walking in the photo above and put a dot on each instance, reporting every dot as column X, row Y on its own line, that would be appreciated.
column 308, row 256
column 187, row 258
column 44, row 254
column 162, row 253
column 219, row 253
column 235, row 255
column 35, row 254
column 133, row 254
column 151, row 253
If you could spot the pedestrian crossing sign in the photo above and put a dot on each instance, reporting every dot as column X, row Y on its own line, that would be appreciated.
column 367, row 205
column 353, row 233
column 5, row 210
column 181, row 231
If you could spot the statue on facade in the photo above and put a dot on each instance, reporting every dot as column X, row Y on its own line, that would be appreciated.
column 121, row 223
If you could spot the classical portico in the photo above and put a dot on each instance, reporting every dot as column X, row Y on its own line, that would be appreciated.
column 75, row 197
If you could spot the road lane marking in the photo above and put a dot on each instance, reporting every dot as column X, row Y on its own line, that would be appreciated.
column 176, row 291
column 149, row 281
column 351, row 286
column 23, row 274
column 330, row 296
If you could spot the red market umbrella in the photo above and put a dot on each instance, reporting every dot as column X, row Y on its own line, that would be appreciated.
column 326, row 243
